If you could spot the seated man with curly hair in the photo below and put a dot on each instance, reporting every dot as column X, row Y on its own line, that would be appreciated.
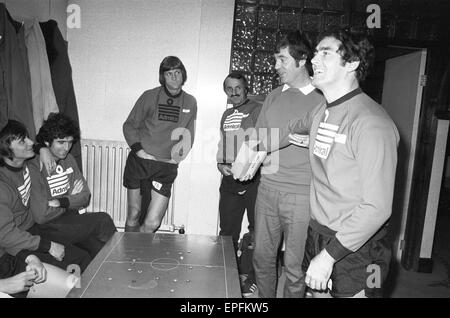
column 67, row 188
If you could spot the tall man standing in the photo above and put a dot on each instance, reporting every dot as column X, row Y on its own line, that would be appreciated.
column 236, row 125
column 160, row 132
column 282, row 204
column 353, row 173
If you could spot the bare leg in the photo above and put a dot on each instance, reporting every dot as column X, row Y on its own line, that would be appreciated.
column 134, row 209
column 58, row 284
column 156, row 211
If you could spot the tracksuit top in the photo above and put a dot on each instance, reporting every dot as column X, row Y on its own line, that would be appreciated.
column 236, row 125
column 60, row 183
column 281, row 105
column 353, row 155
column 21, row 196
column 155, row 117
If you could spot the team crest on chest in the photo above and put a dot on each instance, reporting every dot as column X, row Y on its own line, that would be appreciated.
column 325, row 138
column 25, row 189
column 234, row 121
column 170, row 113
column 59, row 182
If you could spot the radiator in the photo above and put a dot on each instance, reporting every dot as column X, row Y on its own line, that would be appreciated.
column 103, row 166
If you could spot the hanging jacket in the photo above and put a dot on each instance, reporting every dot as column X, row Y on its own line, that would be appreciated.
column 15, row 83
column 43, row 97
column 61, row 73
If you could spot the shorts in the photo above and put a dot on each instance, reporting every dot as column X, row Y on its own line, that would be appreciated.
column 11, row 265
column 366, row 269
column 160, row 174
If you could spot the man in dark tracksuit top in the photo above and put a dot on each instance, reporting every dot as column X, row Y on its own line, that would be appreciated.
column 20, row 194
column 236, row 124
column 160, row 132
column 15, row 82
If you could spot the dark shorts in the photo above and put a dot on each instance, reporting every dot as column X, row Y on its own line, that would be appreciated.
column 11, row 265
column 161, row 175
column 366, row 269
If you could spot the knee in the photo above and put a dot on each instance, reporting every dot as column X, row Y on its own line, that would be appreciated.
column 106, row 220
column 107, row 226
column 151, row 226
column 264, row 257
column 103, row 216
column 292, row 264
column 134, row 205
column 133, row 211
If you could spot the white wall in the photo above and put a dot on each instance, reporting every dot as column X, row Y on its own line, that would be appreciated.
column 115, row 56
column 43, row 10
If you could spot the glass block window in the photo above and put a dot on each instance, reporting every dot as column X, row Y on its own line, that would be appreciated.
column 260, row 24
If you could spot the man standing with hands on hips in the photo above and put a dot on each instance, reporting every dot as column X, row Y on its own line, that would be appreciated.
column 160, row 132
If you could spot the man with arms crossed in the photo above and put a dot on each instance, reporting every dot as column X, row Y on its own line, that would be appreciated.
column 67, row 188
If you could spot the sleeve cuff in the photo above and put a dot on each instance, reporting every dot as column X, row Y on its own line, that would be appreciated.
column 337, row 250
column 64, row 202
column 37, row 147
column 136, row 147
column 44, row 245
column 23, row 254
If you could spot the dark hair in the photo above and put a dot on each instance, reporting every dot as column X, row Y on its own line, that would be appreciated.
column 170, row 63
column 58, row 126
column 354, row 47
column 236, row 75
column 13, row 130
column 299, row 46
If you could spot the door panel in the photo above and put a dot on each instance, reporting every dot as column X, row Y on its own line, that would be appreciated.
column 402, row 97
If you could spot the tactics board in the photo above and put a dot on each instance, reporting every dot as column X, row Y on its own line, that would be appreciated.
column 162, row 266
